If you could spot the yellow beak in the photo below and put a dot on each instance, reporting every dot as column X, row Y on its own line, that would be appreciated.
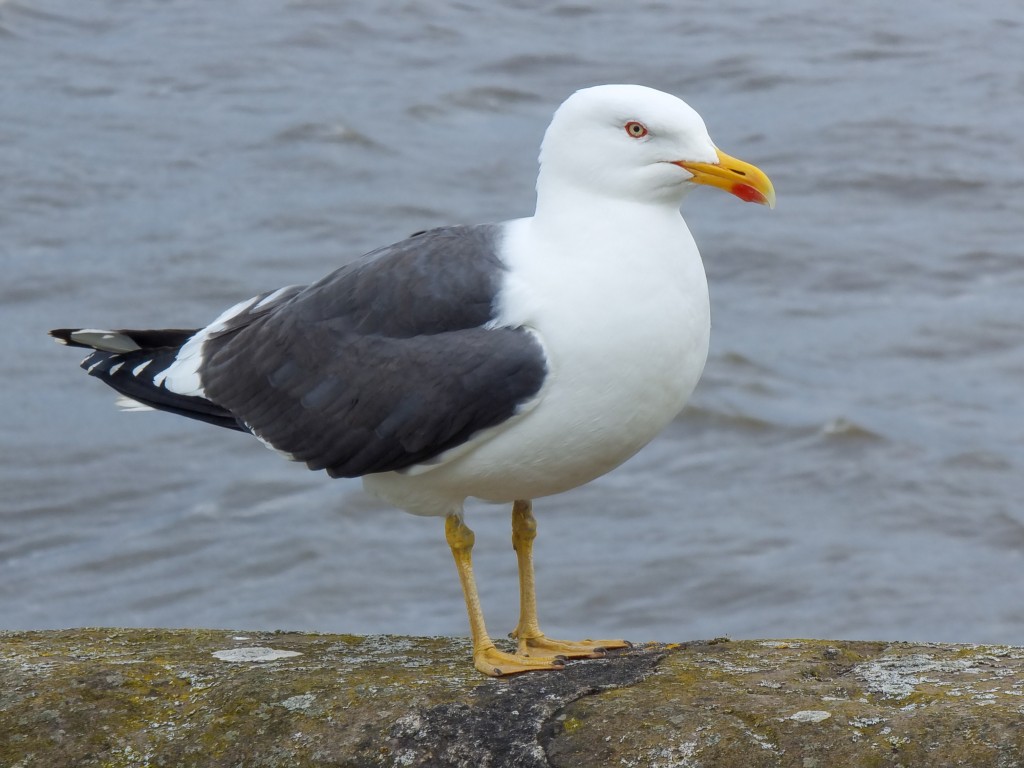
column 746, row 181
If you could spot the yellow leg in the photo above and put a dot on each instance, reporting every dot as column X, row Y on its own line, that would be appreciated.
column 533, row 642
column 486, row 657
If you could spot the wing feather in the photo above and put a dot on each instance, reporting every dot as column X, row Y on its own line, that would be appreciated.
column 385, row 363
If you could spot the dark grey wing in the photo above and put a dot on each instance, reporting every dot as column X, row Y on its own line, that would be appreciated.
column 383, row 364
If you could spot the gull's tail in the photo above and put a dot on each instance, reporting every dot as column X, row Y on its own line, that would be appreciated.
column 135, row 363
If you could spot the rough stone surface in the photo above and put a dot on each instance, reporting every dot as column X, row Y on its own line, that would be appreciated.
column 103, row 697
column 808, row 704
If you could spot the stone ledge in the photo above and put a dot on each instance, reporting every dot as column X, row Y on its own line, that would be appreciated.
column 113, row 697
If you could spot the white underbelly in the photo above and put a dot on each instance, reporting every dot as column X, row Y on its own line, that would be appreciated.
column 601, row 405
column 625, row 350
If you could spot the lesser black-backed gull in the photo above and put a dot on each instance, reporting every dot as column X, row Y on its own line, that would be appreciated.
column 504, row 362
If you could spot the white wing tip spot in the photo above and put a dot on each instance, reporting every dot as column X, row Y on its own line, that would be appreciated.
column 127, row 404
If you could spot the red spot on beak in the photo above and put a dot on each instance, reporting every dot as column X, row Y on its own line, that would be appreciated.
column 748, row 194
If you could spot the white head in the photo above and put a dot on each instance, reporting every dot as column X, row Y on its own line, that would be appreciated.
column 638, row 144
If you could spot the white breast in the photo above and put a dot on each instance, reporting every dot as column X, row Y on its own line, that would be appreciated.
column 625, row 323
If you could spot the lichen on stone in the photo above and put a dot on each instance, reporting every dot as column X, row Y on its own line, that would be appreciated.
column 118, row 698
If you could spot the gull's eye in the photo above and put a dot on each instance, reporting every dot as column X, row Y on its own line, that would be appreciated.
column 635, row 129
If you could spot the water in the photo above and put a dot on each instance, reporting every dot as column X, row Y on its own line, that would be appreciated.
column 851, row 463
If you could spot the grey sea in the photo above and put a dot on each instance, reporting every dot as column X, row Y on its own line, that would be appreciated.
column 851, row 466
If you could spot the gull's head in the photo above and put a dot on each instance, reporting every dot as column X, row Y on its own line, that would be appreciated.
column 636, row 143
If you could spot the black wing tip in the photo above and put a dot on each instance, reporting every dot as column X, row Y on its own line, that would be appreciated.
column 63, row 336
column 129, row 340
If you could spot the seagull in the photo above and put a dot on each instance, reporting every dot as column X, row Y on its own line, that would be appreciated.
column 504, row 362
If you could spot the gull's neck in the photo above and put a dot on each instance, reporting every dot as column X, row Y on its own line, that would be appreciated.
column 571, row 209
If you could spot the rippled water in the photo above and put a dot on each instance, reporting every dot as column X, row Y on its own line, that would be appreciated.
column 851, row 465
